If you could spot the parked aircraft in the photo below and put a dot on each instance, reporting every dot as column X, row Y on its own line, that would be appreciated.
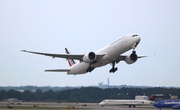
column 175, row 104
column 110, row 54
column 131, row 103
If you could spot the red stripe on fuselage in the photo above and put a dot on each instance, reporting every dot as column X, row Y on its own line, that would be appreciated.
column 69, row 62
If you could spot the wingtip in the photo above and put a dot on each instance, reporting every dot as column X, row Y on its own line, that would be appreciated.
column 23, row 50
column 153, row 54
column 47, row 71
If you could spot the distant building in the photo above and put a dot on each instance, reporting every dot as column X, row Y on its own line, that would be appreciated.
column 103, row 86
column 20, row 90
column 141, row 97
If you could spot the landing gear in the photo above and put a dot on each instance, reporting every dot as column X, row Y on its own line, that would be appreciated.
column 134, row 47
column 113, row 69
column 133, row 55
column 90, row 69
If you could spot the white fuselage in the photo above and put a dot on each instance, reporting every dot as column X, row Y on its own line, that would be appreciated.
column 111, row 52
column 125, row 102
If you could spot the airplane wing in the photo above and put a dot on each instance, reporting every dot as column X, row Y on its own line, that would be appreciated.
column 123, row 57
column 58, row 70
column 67, row 56
column 142, row 56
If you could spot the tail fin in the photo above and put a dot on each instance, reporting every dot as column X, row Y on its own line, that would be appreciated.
column 153, row 97
column 70, row 61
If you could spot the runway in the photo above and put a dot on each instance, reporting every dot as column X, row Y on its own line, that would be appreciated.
column 65, row 106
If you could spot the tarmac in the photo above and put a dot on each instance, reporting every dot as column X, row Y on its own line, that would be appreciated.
column 65, row 106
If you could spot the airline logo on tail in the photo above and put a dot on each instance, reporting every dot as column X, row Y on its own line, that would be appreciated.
column 70, row 61
column 152, row 98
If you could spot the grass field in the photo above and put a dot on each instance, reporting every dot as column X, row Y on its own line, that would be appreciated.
column 43, row 106
column 68, row 106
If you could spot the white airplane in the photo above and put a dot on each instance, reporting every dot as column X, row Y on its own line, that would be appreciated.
column 140, row 100
column 110, row 54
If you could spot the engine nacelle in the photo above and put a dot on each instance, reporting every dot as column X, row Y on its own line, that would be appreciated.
column 89, row 57
column 131, row 58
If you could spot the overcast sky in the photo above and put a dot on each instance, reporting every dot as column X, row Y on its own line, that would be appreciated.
column 84, row 26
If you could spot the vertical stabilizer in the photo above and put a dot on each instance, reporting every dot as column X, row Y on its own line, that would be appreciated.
column 70, row 61
column 153, row 97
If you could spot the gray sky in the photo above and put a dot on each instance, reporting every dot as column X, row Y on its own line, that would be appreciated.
column 84, row 26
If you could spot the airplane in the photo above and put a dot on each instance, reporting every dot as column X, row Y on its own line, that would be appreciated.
column 131, row 103
column 110, row 54
column 171, row 103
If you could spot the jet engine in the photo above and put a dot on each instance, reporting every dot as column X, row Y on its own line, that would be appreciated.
column 132, row 58
column 89, row 57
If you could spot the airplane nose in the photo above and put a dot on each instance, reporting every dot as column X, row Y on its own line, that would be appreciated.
column 100, row 103
column 138, row 39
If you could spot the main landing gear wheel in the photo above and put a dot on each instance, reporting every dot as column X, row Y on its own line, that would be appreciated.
column 90, row 69
column 113, row 69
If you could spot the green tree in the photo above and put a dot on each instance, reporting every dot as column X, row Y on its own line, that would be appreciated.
column 13, row 94
column 27, row 96
column 49, row 95
column 38, row 95
column 3, row 95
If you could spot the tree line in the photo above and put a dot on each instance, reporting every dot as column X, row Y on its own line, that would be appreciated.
column 87, row 94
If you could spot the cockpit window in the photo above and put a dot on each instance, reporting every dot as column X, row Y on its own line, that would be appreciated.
column 134, row 35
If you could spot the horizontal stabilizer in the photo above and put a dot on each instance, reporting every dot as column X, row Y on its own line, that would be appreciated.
column 58, row 70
